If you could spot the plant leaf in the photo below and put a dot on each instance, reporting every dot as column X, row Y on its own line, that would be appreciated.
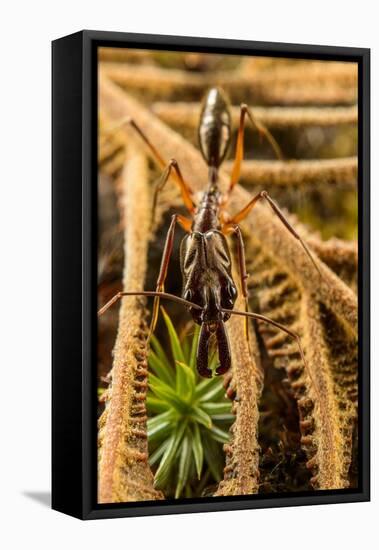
column 160, row 432
column 186, row 350
column 176, row 347
column 164, row 371
column 198, row 415
column 212, row 453
column 227, row 417
column 185, row 381
column 159, row 351
column 168, row 459
column 217, row 408
column 159, row 426
column 197, row 449
column 205, row 385
column 153, row 422
column 215, row 393
column 219, row 435
column 155, row 405
column 156, row 455
column 184, row 465
column 166, row 393
column 176, row 350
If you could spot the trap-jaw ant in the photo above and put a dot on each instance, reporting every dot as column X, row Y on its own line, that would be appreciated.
column 209, row 291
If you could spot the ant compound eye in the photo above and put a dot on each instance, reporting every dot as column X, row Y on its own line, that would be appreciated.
column 188, row 295
column 229, row 295
column 232, row 291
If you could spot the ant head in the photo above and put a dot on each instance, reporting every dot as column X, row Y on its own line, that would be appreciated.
column 212, row 296
column 207, row 280
column 214, row 128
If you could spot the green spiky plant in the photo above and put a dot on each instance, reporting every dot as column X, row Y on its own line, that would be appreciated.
column 189, row 417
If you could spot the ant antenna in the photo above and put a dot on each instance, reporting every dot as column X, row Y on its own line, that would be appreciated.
column 163, row 295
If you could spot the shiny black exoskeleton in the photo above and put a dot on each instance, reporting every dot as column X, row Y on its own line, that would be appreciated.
column 204, row 254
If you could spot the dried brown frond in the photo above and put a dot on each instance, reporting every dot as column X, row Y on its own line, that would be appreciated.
column 323, row 310
column 340, row 256
column 107, row 150
column 341, row 171
column 305, row 82
column 121, row 55
column 300, row 70
column 184, row 114
column 285, row 250
column 241, row 473
column 113, row 165
column 276, row 87
column 157, row 81
column 252, row 64
column 124, row 474
column 326, row 390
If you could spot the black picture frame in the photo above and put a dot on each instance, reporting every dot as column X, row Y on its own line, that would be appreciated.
column 74, row 206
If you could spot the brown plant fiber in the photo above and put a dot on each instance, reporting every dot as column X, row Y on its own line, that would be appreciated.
column 124, row 474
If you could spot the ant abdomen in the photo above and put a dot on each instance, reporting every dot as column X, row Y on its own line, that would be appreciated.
column 214, row 127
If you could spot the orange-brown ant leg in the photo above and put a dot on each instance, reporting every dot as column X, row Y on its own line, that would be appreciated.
column 241, row 215
column 185, row 189
column 243, row 274
column 173, row 168
column 159, row 292
column 263, row 131
column 153, row 151
column 186, row 224
column 241, row 268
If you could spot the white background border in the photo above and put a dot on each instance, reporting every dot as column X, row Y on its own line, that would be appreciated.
column 25, row 107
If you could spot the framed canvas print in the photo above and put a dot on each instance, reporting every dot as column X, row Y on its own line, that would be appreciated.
column 210, row 274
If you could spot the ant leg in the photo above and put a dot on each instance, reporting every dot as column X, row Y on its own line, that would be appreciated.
column 159, row 292
column 185, row 189
column 236, row 170
column 242, row 263
column 176, row 218
column 242, row 272
column 241, row 215
column 128, row 120
column 186, row 192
